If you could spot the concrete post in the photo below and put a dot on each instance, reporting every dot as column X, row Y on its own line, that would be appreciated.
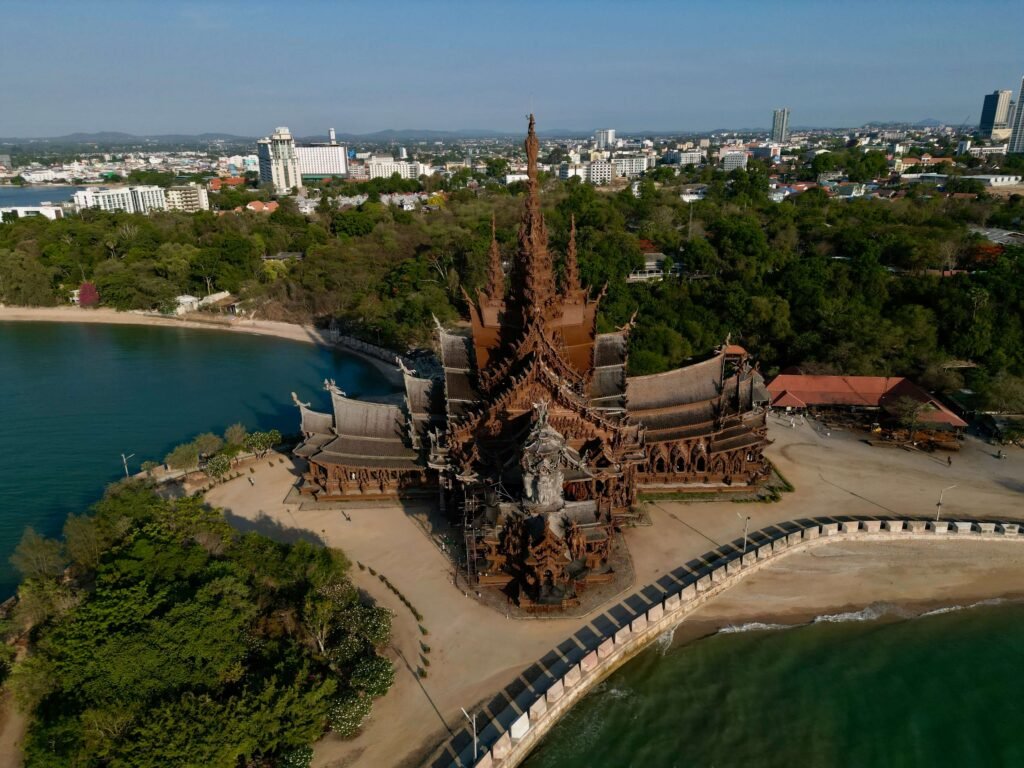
column 672, row 603
column 639, row 625
column 829, row 529
column 917, row 526
column 623, row 636
column 538, row 708
column 555, row 692
column 588, row 663
column 502, row 747
column 872, row 526
column 689, row 592
column 572, row 677
column 749, row 559
column 655, row 614
column 1010, row 529
column 520, row 727
column 810, row 533
column 987, row 527
column 606, row 649
column 940, row 526
column 850, row 526
column 485, row 760
column 894, row 526
column 962, row 526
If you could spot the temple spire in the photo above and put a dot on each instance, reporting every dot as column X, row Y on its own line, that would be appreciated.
column 495, row 274
column 572, row 267
column 535, row 280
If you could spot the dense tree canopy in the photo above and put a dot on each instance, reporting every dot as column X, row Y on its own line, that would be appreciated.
column 846, row 286
column 174, row 640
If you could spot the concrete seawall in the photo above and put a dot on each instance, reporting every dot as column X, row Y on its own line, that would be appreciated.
column 549, row 688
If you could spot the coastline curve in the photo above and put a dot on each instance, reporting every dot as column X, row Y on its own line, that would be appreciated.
column 546, row 690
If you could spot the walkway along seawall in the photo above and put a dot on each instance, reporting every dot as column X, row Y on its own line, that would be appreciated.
column 516, row 720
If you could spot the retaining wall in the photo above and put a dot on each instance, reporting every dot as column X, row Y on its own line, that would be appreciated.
column 514, row 732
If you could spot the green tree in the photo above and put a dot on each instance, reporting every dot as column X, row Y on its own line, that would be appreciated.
column 218, row 466
column 37, row 557
column 184, row 457
column 208, row 443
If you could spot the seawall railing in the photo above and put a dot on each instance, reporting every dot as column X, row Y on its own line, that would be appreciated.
column 519, row 716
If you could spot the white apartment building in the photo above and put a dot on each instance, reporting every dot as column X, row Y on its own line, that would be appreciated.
column 690, row 157
column 600, row 172
column 386, row 167
column 189, row 198
column 733, row 159
column 278, row 163
column 322, row 160
column 605, row 139
column 127, row 199
column 629, row 166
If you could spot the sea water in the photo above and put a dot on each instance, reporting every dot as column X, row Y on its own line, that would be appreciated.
column 943, row 689
column 74, row 397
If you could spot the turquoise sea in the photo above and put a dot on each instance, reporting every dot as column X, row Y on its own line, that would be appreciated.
column 74, row 397
column 10, row 196
column 939, row 690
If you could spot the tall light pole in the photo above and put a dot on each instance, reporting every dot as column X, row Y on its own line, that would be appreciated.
column 472, row 721
column 746, row 522
column 938, row 507
column 124, row 460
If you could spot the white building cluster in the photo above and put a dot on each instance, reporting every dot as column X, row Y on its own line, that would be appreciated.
column 189, row 198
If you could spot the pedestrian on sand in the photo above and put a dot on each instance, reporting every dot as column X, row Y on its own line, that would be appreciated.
column 251, row 481
column 949, row 461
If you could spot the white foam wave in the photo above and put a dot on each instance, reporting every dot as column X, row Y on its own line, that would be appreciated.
column 664, row 641
column 753, row 626
column 955, row 608
column 873, row 612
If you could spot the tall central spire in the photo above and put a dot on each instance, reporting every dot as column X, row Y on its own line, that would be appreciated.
column 535, row 277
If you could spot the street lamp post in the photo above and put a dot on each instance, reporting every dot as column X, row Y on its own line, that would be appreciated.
column 746, row 522
column 472, row 721
column 938, row 506
column 124, row 460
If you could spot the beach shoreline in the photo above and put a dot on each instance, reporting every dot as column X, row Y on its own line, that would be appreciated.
column 306, row 334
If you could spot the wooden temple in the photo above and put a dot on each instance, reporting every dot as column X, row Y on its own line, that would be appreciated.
column 535, row 438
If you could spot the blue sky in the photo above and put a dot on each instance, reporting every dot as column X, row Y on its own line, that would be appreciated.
column 172, row 66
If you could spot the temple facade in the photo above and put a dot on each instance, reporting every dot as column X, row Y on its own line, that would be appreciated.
column 534, row 438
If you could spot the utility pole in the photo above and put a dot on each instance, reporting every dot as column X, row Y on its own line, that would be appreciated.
column 746, row 522
column 124, row 460
column 938, row 507
column 472, row 721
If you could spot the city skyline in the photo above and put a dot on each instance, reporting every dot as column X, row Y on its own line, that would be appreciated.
column 243, row 68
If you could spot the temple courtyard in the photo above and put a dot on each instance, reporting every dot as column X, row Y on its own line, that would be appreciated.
column 475, row 650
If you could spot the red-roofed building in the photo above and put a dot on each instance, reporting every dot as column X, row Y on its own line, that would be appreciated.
column 258, row 207
column 232, row 182
column 857, row 392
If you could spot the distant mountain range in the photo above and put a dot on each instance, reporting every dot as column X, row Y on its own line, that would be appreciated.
column 117, row 138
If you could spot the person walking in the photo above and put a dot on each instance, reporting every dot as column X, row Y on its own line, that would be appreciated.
column 949, row 461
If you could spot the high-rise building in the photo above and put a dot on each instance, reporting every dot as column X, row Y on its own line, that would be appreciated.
column 605, row 139
column 995, row 114
column 278, row 162
column 780, row 125
column 1017, row 126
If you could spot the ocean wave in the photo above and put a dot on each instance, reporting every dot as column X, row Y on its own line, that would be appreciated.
column 664, row 641
column 873, row 612
column 753, row 626
column 955, row 608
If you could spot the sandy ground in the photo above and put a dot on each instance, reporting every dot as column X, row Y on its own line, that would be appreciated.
column 476, row 651
column 71, row 314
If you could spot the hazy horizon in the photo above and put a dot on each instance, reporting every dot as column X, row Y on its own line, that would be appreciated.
column 651, row 66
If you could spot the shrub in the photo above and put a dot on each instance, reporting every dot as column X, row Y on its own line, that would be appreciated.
column 347, row 712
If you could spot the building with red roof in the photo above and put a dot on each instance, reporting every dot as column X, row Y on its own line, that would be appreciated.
column 799, row 391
